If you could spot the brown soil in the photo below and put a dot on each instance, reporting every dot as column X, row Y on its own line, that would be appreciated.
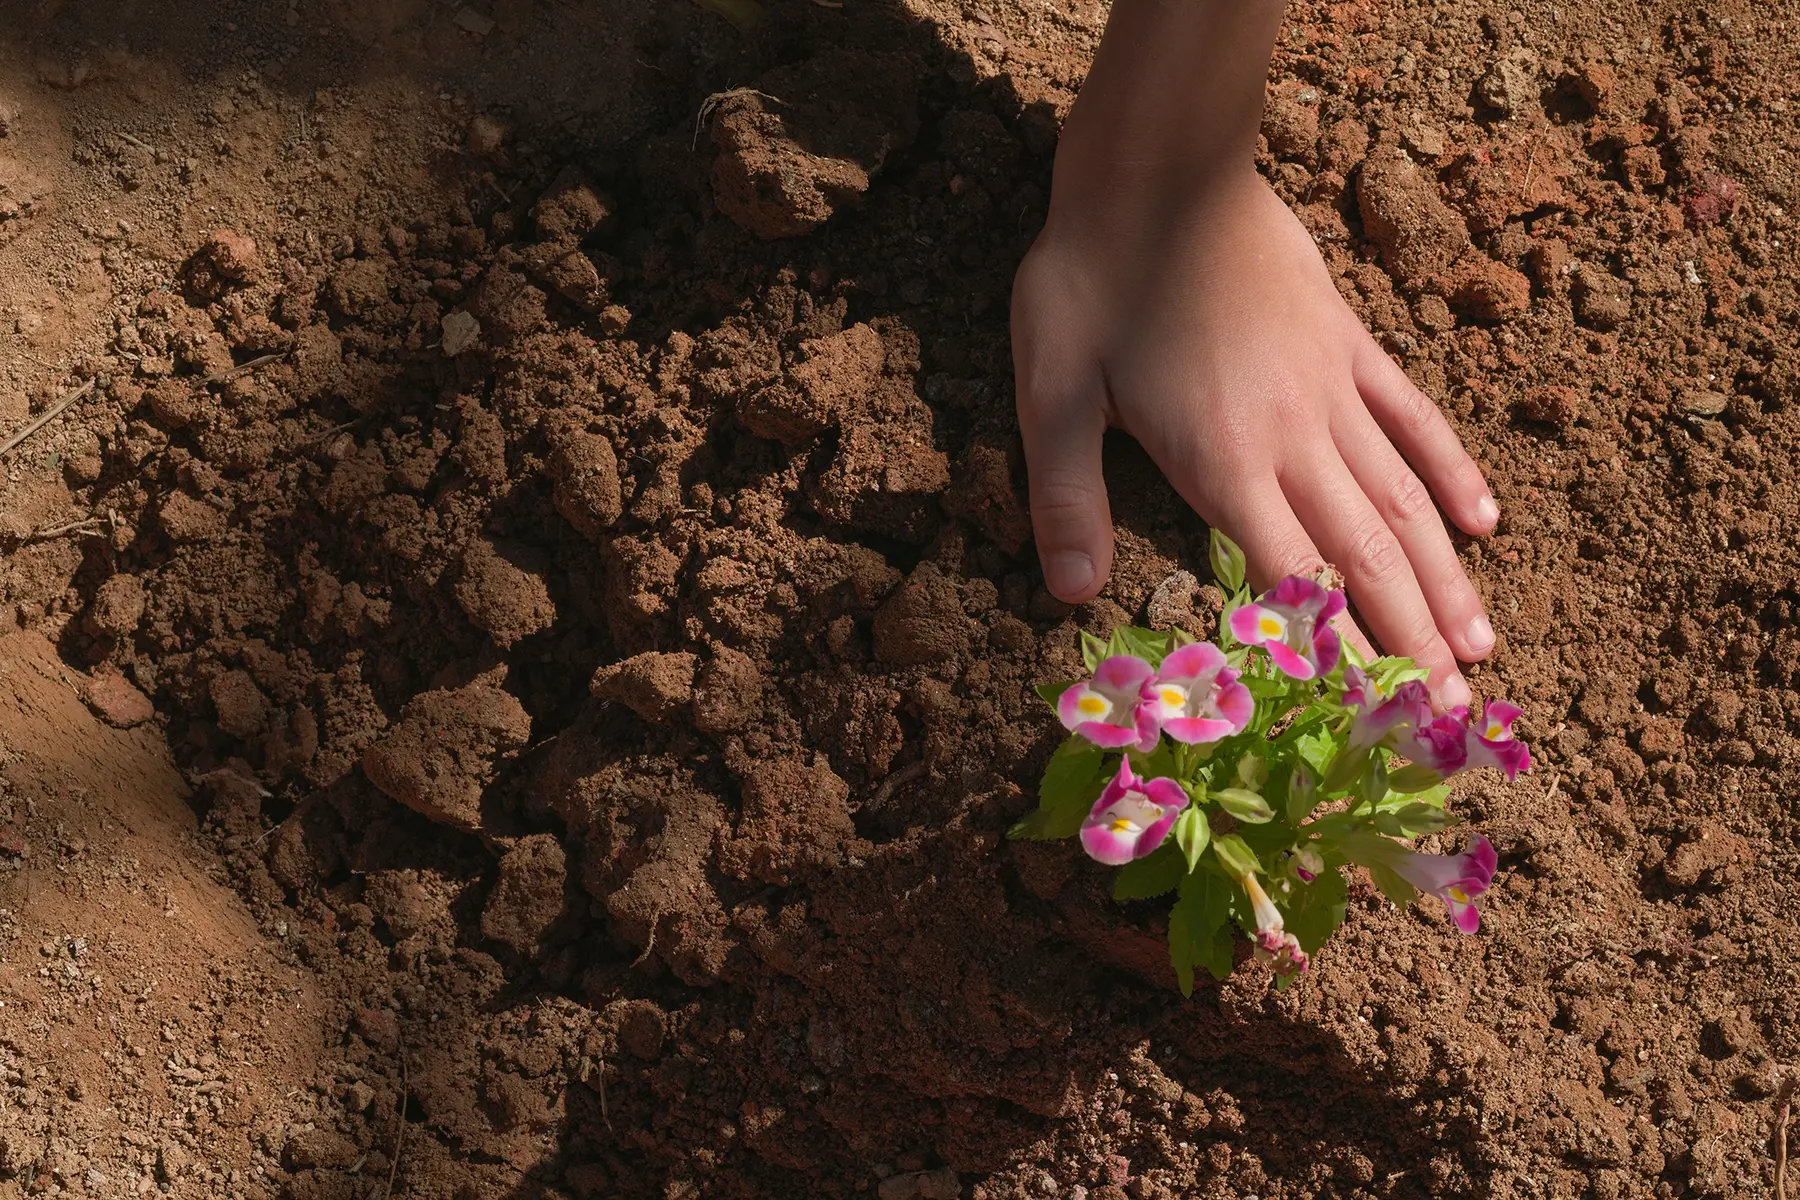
column 599, row 644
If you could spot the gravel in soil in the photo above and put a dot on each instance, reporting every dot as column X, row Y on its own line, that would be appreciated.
column 602, row 638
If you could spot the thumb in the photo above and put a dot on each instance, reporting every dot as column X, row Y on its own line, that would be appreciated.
column 1070, row 517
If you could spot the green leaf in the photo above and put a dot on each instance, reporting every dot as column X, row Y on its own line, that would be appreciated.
column 1199, row 930
column 1264, row 688
column 1417, row 819
column 1315, row 910
column 1392, row 886
column 1345, row 770
column 1158, row 764
column 1152, row 875
column 1144, row 643
column 1413, row 778
column 1093, row 651
column 1390, row 671
column 1192, row 833
column 1245, row 805
column 1050, row 693
column 1235, row 856
column 1071, row 784
column 1227, row 562
column 1303, row 795
column 1373, row 785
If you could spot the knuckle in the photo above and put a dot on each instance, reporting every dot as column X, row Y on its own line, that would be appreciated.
column 1407, row 500
column 1375, row 556
column 1418, row 414
column 1058, row 492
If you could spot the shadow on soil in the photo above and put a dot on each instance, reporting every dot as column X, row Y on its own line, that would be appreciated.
column 923, row 1009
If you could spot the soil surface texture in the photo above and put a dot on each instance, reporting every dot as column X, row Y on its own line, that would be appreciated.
column 516, row 671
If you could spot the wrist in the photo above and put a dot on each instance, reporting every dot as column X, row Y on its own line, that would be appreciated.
column 1170, row 111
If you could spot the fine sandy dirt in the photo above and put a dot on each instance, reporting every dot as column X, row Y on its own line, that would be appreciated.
column 546, row 558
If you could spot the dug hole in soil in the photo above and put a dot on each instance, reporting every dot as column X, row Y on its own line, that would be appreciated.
column 576, row 556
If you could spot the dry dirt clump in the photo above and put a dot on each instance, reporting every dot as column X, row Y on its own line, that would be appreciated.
column 601, row 640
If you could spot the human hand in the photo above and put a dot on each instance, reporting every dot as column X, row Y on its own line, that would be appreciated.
column 1202, row 321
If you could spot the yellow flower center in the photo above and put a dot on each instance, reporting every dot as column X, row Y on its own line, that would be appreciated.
column 1495, row 731
column 1269, row 626
column 1092, row 705
column 1458, row 895
column 1174, row 697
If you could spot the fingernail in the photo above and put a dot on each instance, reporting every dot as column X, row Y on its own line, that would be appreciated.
column 1068, row 572
column 1455, row 692
column 1479, row 634
column 1487, row 513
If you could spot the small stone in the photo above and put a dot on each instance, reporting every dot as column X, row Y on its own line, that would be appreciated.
column 1425, row 141
column 1290, row 121
column 12, row 841
column 654, row 685
column 1661, row 738
column 462, row 331
column 185, row 519
column 1559, row 405
column 1642, row 167
column 923, row 621
column 614, row 319
column 642, row 1028
column 171, row 1160
column 477, row 24
column 528, row 897
column 1699, row 402
column 233, row 255
column 727, row 692
column 1601, row 300
column 116, row 702
column 486, row 134
column 1510, row 86
column 1433, row 313
column 1171, row 605
column 117, row 607
column 242, row 708
column 1491, row 291
column 378, row 1026
column 318, row 1149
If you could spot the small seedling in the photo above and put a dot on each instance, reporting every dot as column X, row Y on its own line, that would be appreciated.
column 1242, row 777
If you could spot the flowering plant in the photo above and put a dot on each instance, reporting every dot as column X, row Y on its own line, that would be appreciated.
column 1242, row 776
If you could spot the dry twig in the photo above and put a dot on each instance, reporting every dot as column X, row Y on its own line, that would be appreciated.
column 146, row 147
column 400, row 1133
column 242, row 368
column 86, row 525
column 1781, row 1124
column 713, row 101
column 47, row 416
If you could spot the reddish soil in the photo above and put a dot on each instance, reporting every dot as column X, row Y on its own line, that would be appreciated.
column 600, row 642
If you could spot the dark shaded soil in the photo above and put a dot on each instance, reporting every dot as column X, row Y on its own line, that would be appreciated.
column 621, row 713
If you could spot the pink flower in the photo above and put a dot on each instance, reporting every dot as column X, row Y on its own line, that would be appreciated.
column 1293, row 623
column 1196, row 698
column 1360, row 688
column 1309, row 864
column 1443, row 745
column 1456, row 879
column 1272, row 938
column 1109, row 710
column 1131, row 818
column 1491, row 741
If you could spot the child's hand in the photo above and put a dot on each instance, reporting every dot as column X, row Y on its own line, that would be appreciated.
column 1197, row 315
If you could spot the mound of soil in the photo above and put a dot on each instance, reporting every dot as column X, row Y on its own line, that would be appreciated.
column 592, row 595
